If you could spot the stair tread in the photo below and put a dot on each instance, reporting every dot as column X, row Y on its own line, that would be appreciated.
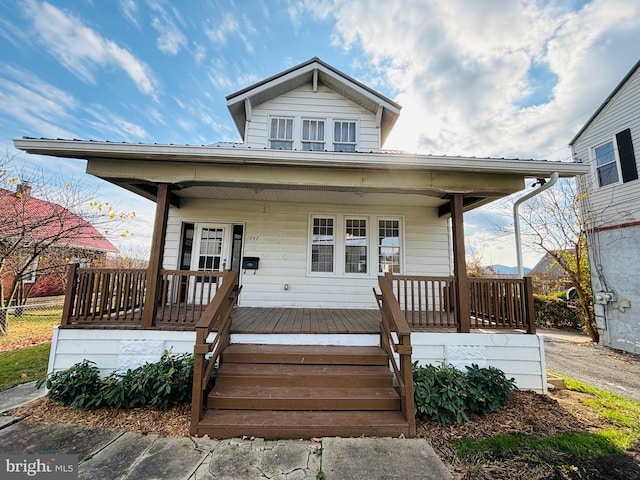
column 297, row 418
column 310, row 349
column 242, row 391
column 277, row 369
column 304, row 354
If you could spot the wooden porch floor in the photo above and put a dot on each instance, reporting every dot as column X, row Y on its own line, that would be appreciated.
column 304, row 320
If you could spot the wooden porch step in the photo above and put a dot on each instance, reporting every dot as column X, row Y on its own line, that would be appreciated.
column 282, row 375
column 275, row 424
column 304, row 354
column 303, row 398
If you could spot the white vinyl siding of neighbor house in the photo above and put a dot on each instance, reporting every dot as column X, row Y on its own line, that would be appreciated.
column 613, row 204
column 278, row 233
column 302, row 103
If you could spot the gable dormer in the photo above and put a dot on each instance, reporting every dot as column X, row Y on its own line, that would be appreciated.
column 313, row 106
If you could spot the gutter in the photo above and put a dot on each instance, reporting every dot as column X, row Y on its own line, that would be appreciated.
column 516, row 216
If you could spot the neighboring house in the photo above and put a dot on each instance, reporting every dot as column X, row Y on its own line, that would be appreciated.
column 548, row 276
column 308, row 214
column 53, row 234
column 610, row 142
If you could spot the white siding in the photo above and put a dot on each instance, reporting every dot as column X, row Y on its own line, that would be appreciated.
column 614, row 254
column 278, row 233
column 520, row 356
column 304, row 103
column 619, row 203
column 107, row 348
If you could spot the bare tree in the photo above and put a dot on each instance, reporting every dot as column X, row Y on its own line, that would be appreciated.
column 553, row 224
column 44, row 224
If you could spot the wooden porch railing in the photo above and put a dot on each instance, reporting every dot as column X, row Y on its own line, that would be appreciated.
column 395, row 338
column 217, row 314
column 502, row 303
column 494, row 302
column 117, row 297
column 426, row 301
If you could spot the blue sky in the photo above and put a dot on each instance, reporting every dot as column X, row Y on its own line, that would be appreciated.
column 492, row 78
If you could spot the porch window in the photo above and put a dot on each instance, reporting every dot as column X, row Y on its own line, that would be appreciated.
column 210, row 249
column 344, row 136
column 322, row 244
column 281, row 134
column 389, row 245
column 313, row 135
column 355, row 245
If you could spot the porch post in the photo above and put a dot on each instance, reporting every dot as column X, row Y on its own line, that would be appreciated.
column 460, row 264
column 155, row 258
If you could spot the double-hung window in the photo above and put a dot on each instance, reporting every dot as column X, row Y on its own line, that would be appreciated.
column 355, row 245
column 615, row 159
column 389, row 245
column 606, row 164
column 344, row 136
column 322, row 244
column 313, row 135
column 281, row 133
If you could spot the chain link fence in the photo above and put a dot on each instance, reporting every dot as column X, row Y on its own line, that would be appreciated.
column 34, row 309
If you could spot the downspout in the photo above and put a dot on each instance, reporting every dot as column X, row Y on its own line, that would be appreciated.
column 516, row 215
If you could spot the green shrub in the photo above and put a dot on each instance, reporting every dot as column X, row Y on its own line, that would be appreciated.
column 488, row 389
column 77, row 386
column 552, row 311
column 445, row 394
column 440, row 393
column 161, row 384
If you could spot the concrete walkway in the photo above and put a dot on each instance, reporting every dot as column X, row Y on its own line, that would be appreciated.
column 108, row 454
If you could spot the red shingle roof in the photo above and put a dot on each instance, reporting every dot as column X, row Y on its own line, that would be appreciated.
column 46, row 221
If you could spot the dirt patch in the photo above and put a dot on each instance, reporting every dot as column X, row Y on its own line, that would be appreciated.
column 166, row 423
column 533, row 414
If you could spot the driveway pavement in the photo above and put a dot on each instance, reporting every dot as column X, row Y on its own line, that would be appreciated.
column 574, row 355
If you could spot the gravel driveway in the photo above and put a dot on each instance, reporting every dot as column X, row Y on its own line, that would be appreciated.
column 574, row 355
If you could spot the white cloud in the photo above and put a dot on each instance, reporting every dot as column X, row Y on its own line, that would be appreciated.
column 460, row 67
column 36, row 104
column 113, row 126
column 129, row 9
column 228, row 27
column 170, row 38
column 81, row 49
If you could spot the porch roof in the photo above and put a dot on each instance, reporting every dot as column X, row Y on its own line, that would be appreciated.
column 239, row 173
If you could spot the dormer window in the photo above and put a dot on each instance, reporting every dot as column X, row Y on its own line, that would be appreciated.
column 281, row 136
column 313, row 135
column 344, row 136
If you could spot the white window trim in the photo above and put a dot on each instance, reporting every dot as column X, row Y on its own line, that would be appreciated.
column 333, row 140
column 401, row 232
column 293, row 131
column 313, row 119
column 594, row 163
column 339, row 220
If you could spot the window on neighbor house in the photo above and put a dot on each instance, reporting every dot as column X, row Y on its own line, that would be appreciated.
column 322, row 244
column 615, row 159
column 30, row 273
column 355, row 245
column 389, row 246
column 344, row 136
column 281, row 133
column 313, row 135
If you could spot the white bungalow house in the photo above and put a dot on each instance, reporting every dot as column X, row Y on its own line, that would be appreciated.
column 299, row 224
column 608, row 143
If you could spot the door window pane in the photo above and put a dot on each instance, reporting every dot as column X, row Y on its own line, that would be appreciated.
column 322, row 245
column 389, row 246
column 355, row 245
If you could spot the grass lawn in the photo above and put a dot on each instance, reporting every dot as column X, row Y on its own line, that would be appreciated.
column 35, row 326
column 23, row 365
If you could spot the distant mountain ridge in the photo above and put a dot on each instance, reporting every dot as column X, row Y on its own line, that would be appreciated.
column 505, row 270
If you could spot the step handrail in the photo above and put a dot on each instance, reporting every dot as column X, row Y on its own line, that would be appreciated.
column 393, row 324
column 216, row 315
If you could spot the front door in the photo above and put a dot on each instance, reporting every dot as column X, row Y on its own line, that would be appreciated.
column 212, row 253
